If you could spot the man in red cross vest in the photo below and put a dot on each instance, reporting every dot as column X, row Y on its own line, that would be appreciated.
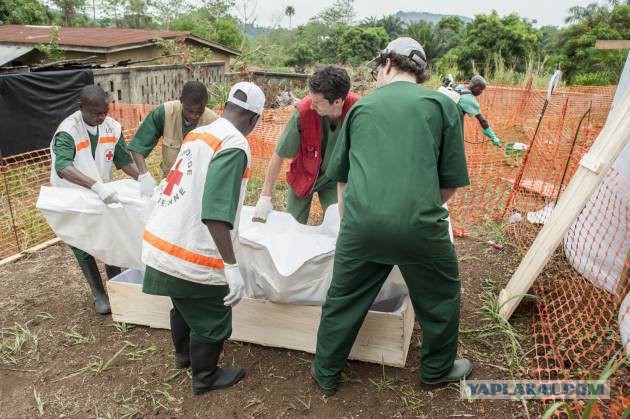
column 309, row 139
column 85, row 149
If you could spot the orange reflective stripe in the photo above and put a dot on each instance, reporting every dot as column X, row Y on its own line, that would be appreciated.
column 105, row 140
column 83, row 144
column 209, row 139
column 181, row 253
column 246, row 174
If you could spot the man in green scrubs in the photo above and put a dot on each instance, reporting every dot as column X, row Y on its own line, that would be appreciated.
column 329, row 89
column 94, row 106
column 400, row 157
column 170, row 121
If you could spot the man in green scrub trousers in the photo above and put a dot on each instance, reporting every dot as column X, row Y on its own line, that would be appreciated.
column 69, row 159
column 188, row 246
column 170, row 121
column 399, row 158
column 309, row 138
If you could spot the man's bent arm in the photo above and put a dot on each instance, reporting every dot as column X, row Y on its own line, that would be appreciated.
column 72, row 174
column 482, row 121
column 447, row 193
column 220, row 232
column 140, row 162
column 131, row 171
column 272, row 174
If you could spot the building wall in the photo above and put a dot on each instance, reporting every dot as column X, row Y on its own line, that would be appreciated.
column 155, row 84
column 136, row 54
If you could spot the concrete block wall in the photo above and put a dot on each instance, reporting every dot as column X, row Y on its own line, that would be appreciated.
column 155, row 84
column 158, row 83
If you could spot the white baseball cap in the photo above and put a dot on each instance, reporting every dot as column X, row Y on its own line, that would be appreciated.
column 255, row 97
column 406, row 46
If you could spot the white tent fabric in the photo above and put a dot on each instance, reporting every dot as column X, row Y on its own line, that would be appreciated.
column 598, row 242
column 282, row 261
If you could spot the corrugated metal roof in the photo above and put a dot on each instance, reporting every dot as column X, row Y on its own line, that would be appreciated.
column 86, row 37
column 9, row 53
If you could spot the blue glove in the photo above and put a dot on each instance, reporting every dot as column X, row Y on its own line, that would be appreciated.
column 490, row 134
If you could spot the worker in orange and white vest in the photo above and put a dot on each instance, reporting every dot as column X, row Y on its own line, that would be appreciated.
column 188, row 245
column 84, row 149
column 309, row 139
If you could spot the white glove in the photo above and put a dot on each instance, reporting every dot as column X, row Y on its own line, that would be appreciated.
column 263, row 208
column 236, row 284
column 147, row 184
column 106, row 192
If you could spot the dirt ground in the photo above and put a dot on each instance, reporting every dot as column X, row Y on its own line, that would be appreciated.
column 69, row 362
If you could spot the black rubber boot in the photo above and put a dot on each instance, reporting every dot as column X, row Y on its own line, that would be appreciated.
column 112, row 271
column 93, row 278
column 461, row 369
column 180, row 333
column 206, row 376
column 326, row 391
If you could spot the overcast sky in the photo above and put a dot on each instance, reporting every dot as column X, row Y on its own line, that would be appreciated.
column 546, row 12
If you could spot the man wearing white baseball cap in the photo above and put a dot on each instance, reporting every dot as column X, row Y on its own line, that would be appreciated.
column 399, row 157
column 188, row 242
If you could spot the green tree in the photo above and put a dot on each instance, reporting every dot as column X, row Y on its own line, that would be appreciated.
column 24, row 12
column 577, row 55
column 300, row 55
column 70, row 10
column 511, row 38
column 137, row 15
column 451, row 32
column 169, row 10
column 585, row 13
column 115, row 10
column 223, row 29
column 427, row 34
column 341, row 13
column 289, row 11
column 354, row 45
column 392, row 24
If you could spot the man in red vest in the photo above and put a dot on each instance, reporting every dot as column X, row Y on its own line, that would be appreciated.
column 309, row 139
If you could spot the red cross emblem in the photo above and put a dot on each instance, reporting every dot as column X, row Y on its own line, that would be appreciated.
column 109, row 155
column 173, row 179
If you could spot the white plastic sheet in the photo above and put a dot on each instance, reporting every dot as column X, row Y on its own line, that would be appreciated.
column 597, row 243
column 112, row 234
column 281, row 260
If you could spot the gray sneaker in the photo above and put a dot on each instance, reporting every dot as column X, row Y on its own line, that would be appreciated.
column 460, row 370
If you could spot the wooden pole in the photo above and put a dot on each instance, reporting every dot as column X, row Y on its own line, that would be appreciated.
column 612, row 44
column 593, row 166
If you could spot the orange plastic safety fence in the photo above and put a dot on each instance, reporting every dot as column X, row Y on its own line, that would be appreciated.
column 575, row 328
column 576, row 321
column 21, row 225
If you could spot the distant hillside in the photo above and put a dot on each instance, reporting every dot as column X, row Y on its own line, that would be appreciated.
column 409, row 17
column 254, row 31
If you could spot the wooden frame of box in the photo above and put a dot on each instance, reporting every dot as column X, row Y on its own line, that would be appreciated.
column 384, row 337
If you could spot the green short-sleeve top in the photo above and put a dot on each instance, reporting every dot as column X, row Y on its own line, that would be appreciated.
column 397, row 148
